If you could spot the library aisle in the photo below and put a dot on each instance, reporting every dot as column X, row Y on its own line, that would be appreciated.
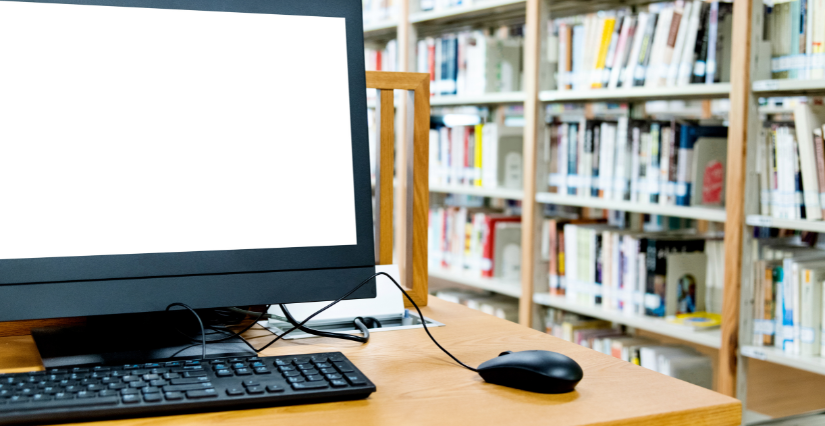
column 646, row 180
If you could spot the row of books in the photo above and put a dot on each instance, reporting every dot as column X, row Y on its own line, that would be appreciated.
column 485, row 155
column 796, row 37
column 791, row 165
column 381, row 58
column 472, row 62
column 493, row 304
column 480, row 242
column 637, row 273
column 651, row 162
column 788, row 297
column 378, row 11
column 439, row 5
column 681, row 362
column 663, row 44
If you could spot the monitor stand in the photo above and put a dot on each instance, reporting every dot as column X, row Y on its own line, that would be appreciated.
column 126, row 339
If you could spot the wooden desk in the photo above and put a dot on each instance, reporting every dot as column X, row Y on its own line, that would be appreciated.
column 418, row 384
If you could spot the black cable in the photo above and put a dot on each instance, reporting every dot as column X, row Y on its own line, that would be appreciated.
column 421, row 316
column 320, row 333
column 203, row 332
column 361, row 326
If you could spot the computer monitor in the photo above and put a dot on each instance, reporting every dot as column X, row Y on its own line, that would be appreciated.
column 213, row 153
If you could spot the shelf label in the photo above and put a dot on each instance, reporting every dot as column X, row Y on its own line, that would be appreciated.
column 760, row 221
column 754, row 352
column 766, row 85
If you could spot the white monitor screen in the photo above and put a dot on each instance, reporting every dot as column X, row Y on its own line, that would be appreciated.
column 134, row 130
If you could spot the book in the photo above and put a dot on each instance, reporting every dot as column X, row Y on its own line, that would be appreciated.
column 709, row 159
column 685, row 283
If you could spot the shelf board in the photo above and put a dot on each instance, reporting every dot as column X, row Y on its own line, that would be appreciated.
column 510, row 194
column 380, row 29
column 695, row 91
column 487, row 98
column 480, row 8
column 788, row 87
column 710, row 338
column 772, row 222
column 496, row 285
column 814, row 364
column 701, row 213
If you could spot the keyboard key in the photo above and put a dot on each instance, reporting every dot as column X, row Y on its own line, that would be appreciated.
column 329, row 371
column 158, row 383
column 150, row 377
column 243, row 371
column 130, row 391
column 189, row 380
column 131, row 367
column 298, row 379
column 152, row 397
column 344, row 368
column 311, row 372
column 19, row 399
column 237, row 365
column 129, row 379
column 194, row 374
column 102, row 368
column 314, row 377
column 107, row 392
column 198, row 394
column 322, row 365
column 80, row 370
column 262, row 370
column 251, row 382
column 62, row 396
column 339, row 383
column 150, row 389
column 319, row 358
column 184, row 388
column 173, row 396
column 151, row 365
column 301, row 360
column 158, row 370
column 139, row 384
column 310, row 385
column 86, row 394
column 41, row 397
column 334, row 376
column 257, row 364
column 274, row 389
column 74, row 389
column 218, row 367
column 172, row 364
column 192, row 362
column 355, row 379
column 235, row 391
column 305, row 366
column 117, row 386
column 217, row 361
column 283, row 368
column 336, row 358
column 282, row 361
column 254, row 390
column 169, row 376
column 291, row 373
column 233, row 360
column 224, row 373
column 95, row 388
column 130, row 399
column 63, row 403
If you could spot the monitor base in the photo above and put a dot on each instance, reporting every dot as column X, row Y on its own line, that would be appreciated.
column 126, row 339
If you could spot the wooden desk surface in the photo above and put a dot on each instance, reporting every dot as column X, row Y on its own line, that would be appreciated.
column 418, row 384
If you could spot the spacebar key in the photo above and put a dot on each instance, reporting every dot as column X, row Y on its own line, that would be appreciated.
column 62, row 404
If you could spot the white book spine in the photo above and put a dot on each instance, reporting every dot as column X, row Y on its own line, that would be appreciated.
column 630, row 71
column 810, row 313
column 804, row 120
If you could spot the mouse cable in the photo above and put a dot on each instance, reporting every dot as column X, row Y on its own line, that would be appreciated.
column 314, row 332
column 331, row 304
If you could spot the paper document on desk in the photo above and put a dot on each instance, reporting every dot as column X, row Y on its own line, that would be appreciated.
column 389, row 301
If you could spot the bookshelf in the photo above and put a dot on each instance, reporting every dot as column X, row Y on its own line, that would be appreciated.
column 385, row 29
column 709, row 338
column 772, row 222
column 414, row 24
column 788, row 87
column 509, row 194
column 692, row 91
column 813, row 364
column 700, row 213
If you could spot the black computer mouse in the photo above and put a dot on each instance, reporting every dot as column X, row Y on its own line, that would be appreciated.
column 533, row 371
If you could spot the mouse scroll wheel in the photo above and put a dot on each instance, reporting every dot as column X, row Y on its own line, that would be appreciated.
column 505, row 353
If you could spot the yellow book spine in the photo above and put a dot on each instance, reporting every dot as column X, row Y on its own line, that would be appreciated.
column 477, row 162
column 607, row 33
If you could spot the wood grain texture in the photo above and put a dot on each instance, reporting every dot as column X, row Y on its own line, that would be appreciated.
column 386, row 169
column 22, row 328
column 412, row 172
column 419, row 385
column 533, row 118
column 735, row 195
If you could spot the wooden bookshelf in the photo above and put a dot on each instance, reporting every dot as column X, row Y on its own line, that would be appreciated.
column 496, row 285
column 484, row 99
column 772, row 222
column 813, row 364
column 483, row 8
column 386, row 29
column 788, row 87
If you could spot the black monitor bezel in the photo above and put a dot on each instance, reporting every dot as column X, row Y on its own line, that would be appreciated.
column 254, row 270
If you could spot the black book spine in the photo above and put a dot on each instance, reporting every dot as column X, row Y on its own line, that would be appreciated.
column 700, row 50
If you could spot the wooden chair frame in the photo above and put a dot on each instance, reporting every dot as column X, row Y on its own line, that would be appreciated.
column 413, row 177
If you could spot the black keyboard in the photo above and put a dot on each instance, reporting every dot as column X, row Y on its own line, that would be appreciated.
column 101, row 392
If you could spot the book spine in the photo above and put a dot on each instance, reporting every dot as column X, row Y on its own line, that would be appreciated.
column 635, row 165
column 604, row 47
column 675, row 59
column 819, row 151
column 644, row 53
column 653, row 172
column 701, row 47
column 769, row 307
column 572, row 160
column 689, row 50
column 713, row 31
column 594, row 161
